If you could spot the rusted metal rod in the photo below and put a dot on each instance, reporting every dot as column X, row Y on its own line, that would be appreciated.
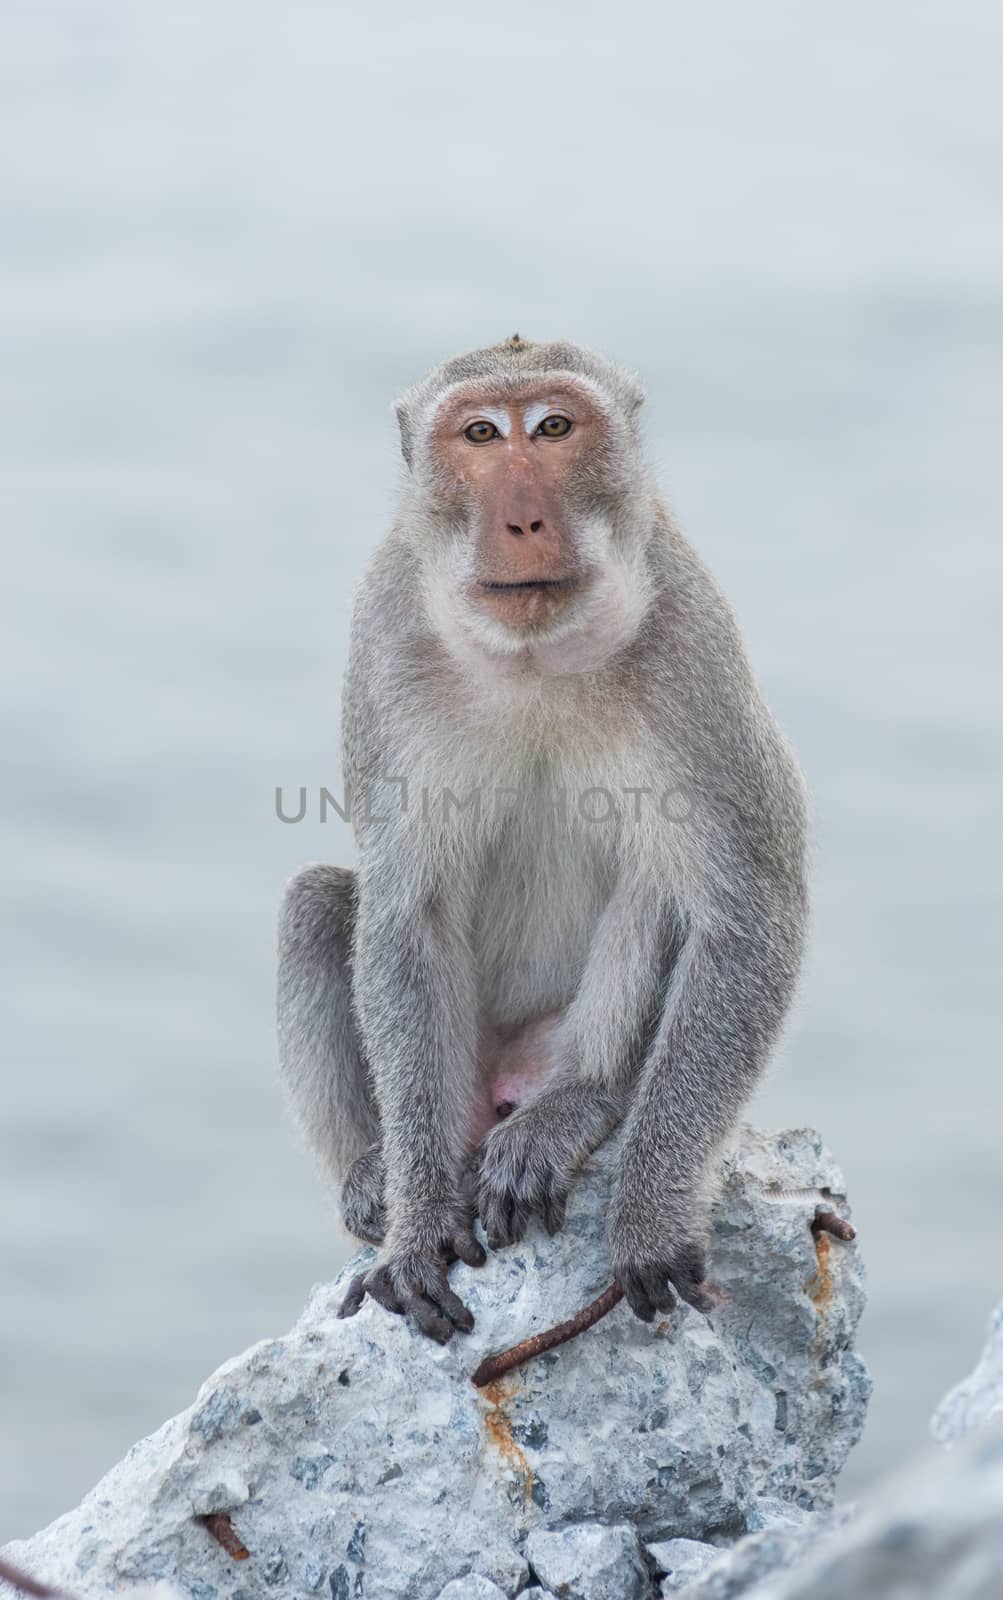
column 493, row 1367
column 224, row 1532
column 828, row 1222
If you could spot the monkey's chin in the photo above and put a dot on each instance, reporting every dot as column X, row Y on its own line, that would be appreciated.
column 565, row 639
column 531, row 610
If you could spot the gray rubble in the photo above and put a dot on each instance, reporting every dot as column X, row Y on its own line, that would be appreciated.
column 356, row 1461
column 473, row 1587
column 680, row 1560
column 591, row 1560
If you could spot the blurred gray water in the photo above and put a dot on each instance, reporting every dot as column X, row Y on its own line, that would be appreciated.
column 230, row 234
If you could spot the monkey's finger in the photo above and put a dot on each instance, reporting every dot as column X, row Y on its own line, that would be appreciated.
column 555, row 1206
column 429, row 1318
column 496, row 1215
column 637, row 1298
column 703, row 1297
column 508, row 1223
column 382, row 1290
column 370, row 1233
column 355, row 1296
column 659, row 1291
column 697, row 1295
column 371, row 1228
column 466, row 1248
column 688, row 1272
column 518, row 1220
column 452, row 1306
column 647, row 1292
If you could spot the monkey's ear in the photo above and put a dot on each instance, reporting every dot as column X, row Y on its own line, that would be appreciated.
column 636, row 396
column 404, row 424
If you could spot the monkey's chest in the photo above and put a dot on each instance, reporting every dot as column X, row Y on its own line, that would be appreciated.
column 542, row 887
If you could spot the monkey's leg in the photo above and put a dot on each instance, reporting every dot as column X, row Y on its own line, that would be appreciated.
column 320, row 1053
column 727, row 998
column 415, row 996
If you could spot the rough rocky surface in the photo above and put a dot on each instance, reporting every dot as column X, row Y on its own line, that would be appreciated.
column 979, row 1397
column 357, row 1462
column 934, row 1533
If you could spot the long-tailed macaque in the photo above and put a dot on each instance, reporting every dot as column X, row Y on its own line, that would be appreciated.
column 580, row 901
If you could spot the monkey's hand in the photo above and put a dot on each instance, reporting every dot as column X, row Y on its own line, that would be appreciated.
column 527, row 1162
column 363, row 1210
column 411, row 1275
column 654, row 1259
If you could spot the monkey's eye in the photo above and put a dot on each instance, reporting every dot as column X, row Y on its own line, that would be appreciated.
column 554, row 427
column 481, row 432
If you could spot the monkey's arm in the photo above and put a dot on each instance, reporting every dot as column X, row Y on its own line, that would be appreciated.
column 415, row 999
column 728, row 995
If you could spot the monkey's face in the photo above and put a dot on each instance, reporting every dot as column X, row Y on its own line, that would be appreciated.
column 522, row 483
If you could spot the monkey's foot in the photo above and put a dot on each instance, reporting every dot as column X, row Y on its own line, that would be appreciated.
column 517, row 1172
column 417, row 1283
column 652, row 1286
column 528, row 1160
column 362, row 1207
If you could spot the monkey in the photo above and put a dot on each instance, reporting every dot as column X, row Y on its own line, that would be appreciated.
column 580, row 904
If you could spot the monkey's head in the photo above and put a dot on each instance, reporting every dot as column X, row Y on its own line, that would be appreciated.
column 526, row 495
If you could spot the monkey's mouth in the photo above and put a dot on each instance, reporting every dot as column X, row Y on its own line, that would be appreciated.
column 528, row 605
column 529, row 584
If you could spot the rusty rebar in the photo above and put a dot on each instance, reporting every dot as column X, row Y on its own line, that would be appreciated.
column 223, row 1531
column 829, row 1222
column 493, row 1367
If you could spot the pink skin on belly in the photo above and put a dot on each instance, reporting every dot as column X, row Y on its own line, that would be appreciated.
column 512, row 1062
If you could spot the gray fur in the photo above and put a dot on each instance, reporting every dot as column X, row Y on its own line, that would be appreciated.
column 670, row 948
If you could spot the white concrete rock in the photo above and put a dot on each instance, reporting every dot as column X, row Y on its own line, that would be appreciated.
column 933, row 1533
column 357, row 1461
column 681, row 1560
column 472, row 1587
column 589, row 1561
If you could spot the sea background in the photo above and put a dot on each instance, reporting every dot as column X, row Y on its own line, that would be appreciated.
column 231, row 233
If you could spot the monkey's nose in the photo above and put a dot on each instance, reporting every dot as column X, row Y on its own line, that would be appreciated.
column 519, row 530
